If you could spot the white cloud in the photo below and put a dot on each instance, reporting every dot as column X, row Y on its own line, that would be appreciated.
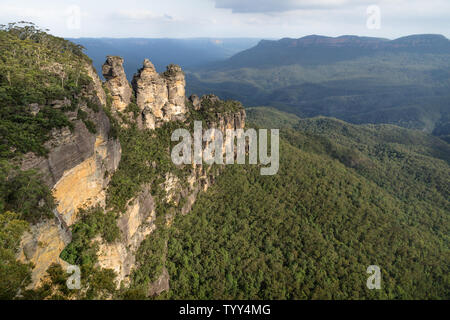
column 231, row 18
column 268, row 6
column 142, row 15
column 27, row 12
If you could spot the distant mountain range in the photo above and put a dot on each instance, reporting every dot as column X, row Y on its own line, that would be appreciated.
column 320, row 49
column 405, row 81
column 162, row 52
column 358, row 79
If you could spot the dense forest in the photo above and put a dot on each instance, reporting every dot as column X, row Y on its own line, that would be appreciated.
column 346, row 196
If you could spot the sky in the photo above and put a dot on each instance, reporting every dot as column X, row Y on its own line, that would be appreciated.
column 269, row 19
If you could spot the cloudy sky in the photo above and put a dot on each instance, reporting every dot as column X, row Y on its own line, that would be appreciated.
column 231, row 18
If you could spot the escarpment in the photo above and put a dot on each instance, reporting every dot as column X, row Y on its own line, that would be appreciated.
column 177, row 195
column 83, row 162
column 160, row 99
column 77, row 169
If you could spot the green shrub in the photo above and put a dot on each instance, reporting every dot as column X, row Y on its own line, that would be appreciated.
column 35, row 68
column 14, row 275
column 92, row 222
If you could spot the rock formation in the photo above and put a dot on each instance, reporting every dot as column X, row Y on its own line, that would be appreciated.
column 80, row 163
column 135, row 225
column 98, row 85
column 78, row 158
column 138, row 221
column 195, row 100
column 117, row 83
column 160, row 97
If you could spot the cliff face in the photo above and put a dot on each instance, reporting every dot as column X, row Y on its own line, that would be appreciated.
column 42, row 245
column 80, row 164
column 135, row 225
column 97, row 84
column 80, row 159
column 77, row 169
column 139, row 220
column 160, row 98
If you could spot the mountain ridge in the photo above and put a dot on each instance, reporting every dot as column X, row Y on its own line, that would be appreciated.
column 313, row 48
column 348, row 38
column 405, row 81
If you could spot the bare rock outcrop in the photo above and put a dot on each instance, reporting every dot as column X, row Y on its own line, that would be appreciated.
column 160, row 97
column 160, row 285
column 42, row 245
column 135, row 225
column 117, row 83
column 76, row 166
column 97, row 83
column 176, row 84
column 196, row 102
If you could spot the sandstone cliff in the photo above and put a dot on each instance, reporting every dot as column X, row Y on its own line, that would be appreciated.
column 80, row 164
column 136, row 224
column 77, row 169
column 139, row 220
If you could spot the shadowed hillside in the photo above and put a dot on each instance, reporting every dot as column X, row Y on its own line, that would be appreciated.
column 358, row 79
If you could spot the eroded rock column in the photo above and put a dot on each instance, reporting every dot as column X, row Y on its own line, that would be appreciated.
column 160, row 97
column 117, row 83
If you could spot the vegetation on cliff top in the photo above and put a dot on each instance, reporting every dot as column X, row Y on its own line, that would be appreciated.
column 37, row 72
